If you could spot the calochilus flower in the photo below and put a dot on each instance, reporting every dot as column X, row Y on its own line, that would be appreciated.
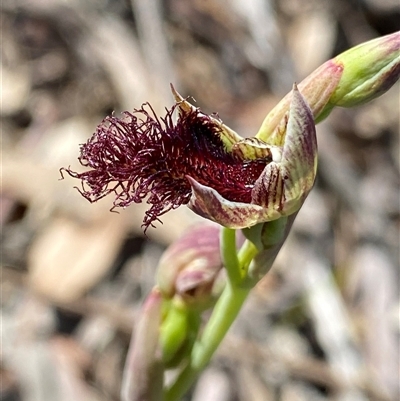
column 200, row 162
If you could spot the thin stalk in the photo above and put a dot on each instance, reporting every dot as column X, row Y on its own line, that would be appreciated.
column 229, row 255
column 224, row 314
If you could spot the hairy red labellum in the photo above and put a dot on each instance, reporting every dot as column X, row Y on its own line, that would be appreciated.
column 142, row 156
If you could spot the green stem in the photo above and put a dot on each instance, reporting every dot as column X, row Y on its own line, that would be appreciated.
column 224, row 314
column 229, row 255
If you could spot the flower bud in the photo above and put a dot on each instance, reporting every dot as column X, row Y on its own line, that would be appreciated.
column 190, row 277
column 354, row 77
column 369, row 70
column 190, row 268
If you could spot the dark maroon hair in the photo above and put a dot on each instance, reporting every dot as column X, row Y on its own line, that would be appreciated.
column 142, row 157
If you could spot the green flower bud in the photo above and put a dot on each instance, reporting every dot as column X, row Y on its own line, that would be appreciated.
column 354, row 77
column 369, row 70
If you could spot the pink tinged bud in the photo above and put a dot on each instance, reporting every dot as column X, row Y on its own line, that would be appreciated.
column 200, row 284
column 283, row 185
column 354, row 77
column 370, row 69
column 190, row 278
column 191, row 267
column 143, row 373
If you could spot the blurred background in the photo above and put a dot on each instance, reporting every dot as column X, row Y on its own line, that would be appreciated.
column 322, row 325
